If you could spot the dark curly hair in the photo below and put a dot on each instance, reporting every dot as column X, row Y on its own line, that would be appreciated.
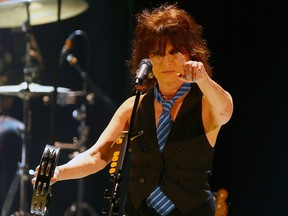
column 167, row 22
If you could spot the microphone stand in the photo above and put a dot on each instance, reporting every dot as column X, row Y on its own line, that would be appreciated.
column 87, row 82
column 73, row 61
column 117, row 177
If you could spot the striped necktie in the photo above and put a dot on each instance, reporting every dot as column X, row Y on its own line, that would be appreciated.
column 157, row 199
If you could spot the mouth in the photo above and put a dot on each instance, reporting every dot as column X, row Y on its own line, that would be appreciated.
column 168, row 72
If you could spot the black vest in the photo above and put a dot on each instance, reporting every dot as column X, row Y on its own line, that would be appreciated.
column 182, row 170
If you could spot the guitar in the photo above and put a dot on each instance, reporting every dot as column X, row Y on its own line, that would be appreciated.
column 221, row 203
column 42, row 188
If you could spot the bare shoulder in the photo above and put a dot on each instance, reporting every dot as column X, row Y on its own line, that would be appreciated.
column 129, row 103
column 124, row 111
column 126, row 106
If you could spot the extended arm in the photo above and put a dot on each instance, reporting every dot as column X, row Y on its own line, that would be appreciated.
column 99, row 155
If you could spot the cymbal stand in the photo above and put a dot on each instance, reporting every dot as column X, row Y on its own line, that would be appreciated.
column 79, row 145
column 29, row 69
column 22, row 174
column 29, row 73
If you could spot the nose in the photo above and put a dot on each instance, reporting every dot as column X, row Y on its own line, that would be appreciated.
column 167, row 60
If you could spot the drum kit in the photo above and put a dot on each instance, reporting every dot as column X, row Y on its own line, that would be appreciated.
column 24, row 14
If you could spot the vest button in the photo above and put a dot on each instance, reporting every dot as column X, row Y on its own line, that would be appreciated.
column 141, row 180
column 179, row 149
column 129, row 149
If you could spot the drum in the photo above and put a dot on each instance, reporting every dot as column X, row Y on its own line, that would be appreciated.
column 10, row 153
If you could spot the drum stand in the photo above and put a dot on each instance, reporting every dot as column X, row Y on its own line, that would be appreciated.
column 22, row 177
column 78, row 145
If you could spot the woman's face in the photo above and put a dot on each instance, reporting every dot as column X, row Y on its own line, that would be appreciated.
column 167, row 65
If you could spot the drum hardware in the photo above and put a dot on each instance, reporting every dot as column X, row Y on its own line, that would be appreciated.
column 22, row 174
column 67, row 56
column 8, row 124
column 70, row 98
column 27, row 90
column 12, row 14
column 79, row 145
column 88, row 83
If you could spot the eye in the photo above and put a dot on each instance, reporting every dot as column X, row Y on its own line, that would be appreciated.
column 155, row 53
column 173, row 51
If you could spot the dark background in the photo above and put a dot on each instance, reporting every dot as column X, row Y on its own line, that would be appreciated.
column 249, row 44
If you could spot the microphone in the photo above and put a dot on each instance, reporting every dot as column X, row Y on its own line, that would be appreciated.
column 143, row 71
column 66, row 48
column 73, row 61
column 68, row 45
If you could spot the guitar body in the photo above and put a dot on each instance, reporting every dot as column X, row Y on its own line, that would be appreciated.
column 221, row 203
column 42, row 188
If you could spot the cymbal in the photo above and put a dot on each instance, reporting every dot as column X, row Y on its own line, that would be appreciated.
column 24, row 90
column 13, row 13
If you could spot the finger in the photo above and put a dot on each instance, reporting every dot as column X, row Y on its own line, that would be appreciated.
column 190, row 70
column 180, row 66
column 35, row 174
column 33, row 181
column 53, row 180
column 181, row 59
column 187, row 77
column 187, row 67
column 187, row 74
column 194, row 68
column 199, row 68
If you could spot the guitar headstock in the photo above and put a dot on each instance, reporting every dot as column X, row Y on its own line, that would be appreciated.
column 221, row 202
